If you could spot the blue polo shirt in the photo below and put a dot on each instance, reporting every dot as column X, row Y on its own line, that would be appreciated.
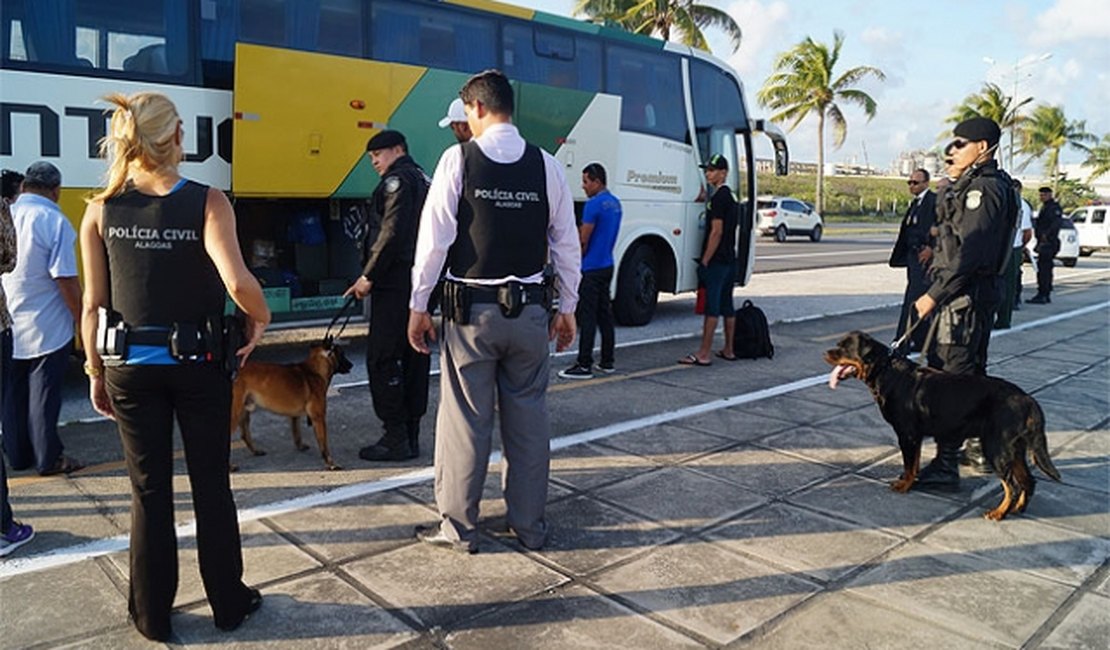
column 603, row 210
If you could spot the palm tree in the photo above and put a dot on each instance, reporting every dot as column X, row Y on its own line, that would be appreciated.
column 804, row 82
column 661, row 18
column 1098, row 158
column 991, row 102
column 1046, row 132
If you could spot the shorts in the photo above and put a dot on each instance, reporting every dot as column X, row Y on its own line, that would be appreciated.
column 718, row 280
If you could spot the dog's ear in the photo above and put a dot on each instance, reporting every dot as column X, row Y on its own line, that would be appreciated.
column 870, row 350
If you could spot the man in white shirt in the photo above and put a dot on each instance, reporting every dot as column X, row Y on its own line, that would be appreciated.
column 44, row 297
column 495, row 226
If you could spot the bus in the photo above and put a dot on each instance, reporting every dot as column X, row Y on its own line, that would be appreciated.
column 278, row 99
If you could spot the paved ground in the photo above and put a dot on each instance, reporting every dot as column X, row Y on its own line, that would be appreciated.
column 739, row 505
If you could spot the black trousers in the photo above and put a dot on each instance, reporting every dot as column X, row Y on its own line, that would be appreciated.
column 917, row 283
column 966, row 354
column 32, row 402
column 398, row 374
column 1046, row 256
column 5, row 364
column 147, row 400
column 595, row 312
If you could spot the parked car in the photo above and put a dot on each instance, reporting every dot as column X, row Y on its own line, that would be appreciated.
column 783, row 216
column 1069, row 245
column 1092, row 227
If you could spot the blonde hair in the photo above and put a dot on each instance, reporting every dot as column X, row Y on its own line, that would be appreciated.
column 141, row 132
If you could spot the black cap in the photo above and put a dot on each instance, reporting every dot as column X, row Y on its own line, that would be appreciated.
column 1045, row 189
column 42, row 174
column 716, row 161
column 977, row 129
column 385, row 140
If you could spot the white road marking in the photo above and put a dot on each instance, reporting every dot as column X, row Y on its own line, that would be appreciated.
column 95, row 548
column 885, row 252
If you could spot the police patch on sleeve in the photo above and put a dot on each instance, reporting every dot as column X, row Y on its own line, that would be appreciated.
column 392, row 184
column 974, row 198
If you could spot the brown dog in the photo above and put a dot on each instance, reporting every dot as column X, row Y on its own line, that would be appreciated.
column 293, row 390
column 923, row 402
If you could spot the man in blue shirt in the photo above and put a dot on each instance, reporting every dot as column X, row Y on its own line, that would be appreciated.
column 601, row 220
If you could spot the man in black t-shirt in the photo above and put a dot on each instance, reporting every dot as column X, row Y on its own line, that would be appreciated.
column 717, row 263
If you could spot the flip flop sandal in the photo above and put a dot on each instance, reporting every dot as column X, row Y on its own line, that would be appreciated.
column 691, row 360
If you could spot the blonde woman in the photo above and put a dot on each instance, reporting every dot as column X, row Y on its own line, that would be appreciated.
column 159, row 251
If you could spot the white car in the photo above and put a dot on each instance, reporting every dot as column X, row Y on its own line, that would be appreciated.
column 1069, row 245
column 1093, row 228
column 783, row 216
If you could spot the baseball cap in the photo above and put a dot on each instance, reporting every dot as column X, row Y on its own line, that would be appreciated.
column 385, row 140
column 978, row 129
column 455, row 113
column 716, row 161
column 42, row 174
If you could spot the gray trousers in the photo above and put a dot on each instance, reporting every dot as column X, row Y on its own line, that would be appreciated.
column 493, row 358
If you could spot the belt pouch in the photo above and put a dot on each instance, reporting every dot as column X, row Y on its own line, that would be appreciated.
column 510, row 298
column 185, row 343
column 111, row 338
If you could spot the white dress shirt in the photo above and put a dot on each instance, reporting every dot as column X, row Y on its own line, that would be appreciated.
column 439, row 225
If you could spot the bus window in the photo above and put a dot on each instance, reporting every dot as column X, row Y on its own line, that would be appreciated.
column 332, row 26
column 650, row 85
column 146, row 37
column 433, row 36
column 716, row 97
column 552, row 58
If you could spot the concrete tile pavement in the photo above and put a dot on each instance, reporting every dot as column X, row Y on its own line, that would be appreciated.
column 764, row 523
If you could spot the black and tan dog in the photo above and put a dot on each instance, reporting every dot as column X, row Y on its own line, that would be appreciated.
column 923, row 402
column 293, row 390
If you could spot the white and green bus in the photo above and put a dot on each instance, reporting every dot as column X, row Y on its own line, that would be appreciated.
column 280, row 96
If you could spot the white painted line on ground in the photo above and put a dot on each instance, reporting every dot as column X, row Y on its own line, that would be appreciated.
column 787, row 256
column 95, row 548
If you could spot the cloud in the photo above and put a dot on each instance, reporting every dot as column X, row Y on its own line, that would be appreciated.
column 764, row 25
column 1068, row 21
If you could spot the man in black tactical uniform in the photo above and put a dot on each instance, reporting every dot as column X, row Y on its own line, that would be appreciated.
column 1046, row 227
column 976, row 221
column 398, row 374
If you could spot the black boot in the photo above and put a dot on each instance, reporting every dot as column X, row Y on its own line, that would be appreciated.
column 972, row 456
column 394, row 445
column 1039, row 299
column 414, row 436
column 943, row 473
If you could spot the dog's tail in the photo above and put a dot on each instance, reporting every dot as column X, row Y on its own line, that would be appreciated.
column 1038, row 444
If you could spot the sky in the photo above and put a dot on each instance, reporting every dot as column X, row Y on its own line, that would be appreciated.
column 933, row 54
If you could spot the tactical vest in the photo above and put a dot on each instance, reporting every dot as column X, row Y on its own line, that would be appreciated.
column 502, row 216
column 160, row 272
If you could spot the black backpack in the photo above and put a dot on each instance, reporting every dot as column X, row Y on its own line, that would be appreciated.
column 753, row 337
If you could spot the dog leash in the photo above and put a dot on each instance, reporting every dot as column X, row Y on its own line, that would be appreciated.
column 328, row 337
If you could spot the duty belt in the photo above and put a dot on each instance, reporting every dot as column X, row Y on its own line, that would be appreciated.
column 533, row 293
column 148, row 336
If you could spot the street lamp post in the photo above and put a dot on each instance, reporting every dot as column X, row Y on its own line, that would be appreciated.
column 1018, row 65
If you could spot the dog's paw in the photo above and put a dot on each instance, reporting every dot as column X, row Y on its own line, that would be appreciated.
column 994, row 515
column 258, row 452
column 332, row 467
column 302, row 447
column 901, row 486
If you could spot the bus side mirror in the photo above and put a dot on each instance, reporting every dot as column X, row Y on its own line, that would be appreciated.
column 778, row 141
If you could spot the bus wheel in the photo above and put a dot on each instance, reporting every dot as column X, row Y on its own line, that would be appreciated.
column 637, row 291
column 780, row 233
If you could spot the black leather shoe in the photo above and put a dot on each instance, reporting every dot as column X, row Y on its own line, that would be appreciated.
column 433, row 536
column 972, row 456
column 1039, row 300
column 252, row 606
column 381, row 452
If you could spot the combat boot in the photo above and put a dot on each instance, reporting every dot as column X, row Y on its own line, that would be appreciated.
column 392, row 446
column 943, row 473
column 972, row 456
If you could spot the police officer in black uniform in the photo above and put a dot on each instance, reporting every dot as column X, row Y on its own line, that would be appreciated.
column 1046, row 227
column 398, row 374
column 976, row 221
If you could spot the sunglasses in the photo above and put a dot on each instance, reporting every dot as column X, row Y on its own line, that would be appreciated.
column 913, row 182
column 959, row 144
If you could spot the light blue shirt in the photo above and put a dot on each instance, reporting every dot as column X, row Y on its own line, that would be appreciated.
column 41, row 321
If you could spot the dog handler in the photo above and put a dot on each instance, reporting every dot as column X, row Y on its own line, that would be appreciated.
column 497, row 208
column 976, row 220
column 398, row 374
column 159, row 251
